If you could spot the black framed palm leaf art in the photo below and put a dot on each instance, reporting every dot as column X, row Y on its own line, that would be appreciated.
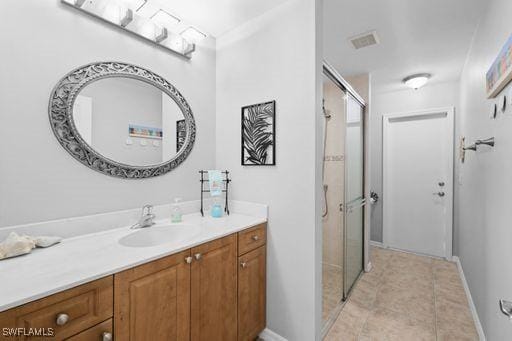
column 258, row 134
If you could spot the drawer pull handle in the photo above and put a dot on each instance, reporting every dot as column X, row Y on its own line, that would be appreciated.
column 243, row 265
column 255, row 238
column 62, row 319
column 106, row 336
column 188, row 260
column 198, row 256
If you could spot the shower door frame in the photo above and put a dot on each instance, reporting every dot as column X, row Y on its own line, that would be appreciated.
column 334, row 76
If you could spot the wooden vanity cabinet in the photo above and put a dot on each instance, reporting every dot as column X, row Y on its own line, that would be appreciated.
column 66, row 313
column 252, row 283
column 214, row 290
column 101, row 332
column 152, row 301
column 251, row 294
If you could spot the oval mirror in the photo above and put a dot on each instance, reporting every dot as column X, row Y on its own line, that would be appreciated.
column 122, row 120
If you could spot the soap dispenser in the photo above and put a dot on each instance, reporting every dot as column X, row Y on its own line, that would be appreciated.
column 176, row 211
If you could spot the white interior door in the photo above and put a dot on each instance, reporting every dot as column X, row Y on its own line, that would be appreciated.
column 418, row 181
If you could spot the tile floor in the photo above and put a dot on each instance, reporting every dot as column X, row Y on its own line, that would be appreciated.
column 332, row 279
column 406, row 298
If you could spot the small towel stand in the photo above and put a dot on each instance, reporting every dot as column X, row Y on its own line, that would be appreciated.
column 226, row 181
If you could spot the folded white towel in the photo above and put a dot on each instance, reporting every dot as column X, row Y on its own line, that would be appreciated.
column 16, row 245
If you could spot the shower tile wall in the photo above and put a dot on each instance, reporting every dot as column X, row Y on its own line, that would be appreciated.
column 334, row 179
column 334, row 174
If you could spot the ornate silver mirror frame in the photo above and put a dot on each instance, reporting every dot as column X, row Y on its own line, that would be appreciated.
column 61, row 118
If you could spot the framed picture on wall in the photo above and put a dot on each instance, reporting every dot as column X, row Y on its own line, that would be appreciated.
column 181, row 134
column 258, row 134
column 500, row 73
column 145, row 132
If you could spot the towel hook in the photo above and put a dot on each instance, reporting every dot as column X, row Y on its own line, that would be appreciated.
column 488, row 142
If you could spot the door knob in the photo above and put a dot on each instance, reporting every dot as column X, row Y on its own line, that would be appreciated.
column 188, row 260
column 198, row 256
column 441, row 184
column 441, row 194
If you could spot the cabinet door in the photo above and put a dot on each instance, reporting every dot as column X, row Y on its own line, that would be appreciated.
column 251, row 294
column 100, row 332
column 152, row 301
column 214, row 291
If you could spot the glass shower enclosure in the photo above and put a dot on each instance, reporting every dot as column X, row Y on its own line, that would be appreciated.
column 343, row 189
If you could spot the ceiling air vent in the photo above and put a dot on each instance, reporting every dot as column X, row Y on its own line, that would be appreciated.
column 365, row 40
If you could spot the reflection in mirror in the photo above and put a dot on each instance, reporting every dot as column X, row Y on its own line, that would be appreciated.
column 129, row 121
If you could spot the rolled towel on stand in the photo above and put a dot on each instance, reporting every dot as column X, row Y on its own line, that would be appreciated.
column 17, row 245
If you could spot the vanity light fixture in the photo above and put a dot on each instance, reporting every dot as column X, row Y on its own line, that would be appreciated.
column 417, row 81
column 123, row 14
column 112, row 13
column 165, row 19
column 128, row 18
column 162, row 36
column 192, row 34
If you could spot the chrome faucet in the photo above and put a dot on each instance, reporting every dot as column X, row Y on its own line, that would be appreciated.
column 146, row 218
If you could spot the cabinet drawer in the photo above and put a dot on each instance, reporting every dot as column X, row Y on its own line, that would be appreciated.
column 252, row 238
column 100, row 332
column 66, row 313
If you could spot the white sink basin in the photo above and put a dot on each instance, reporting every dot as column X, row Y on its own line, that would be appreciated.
column 153, row 236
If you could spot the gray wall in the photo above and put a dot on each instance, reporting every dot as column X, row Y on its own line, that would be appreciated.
column 430, row 96
column 39, row 180
column 484, row 212
column 116, row 103
column 274, row 57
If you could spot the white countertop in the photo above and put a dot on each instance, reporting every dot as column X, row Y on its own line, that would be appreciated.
column 88, row 257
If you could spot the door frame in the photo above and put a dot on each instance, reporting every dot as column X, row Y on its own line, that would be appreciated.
column 450, row 116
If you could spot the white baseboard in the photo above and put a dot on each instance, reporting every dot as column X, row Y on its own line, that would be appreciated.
column 478, row 325
column 377, row 244
column 269, row 335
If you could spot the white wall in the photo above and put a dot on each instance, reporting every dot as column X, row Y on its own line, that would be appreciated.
column 39, row 180
column 117, row 103
column 275, row 57
column 430, row 96
column 484, row 228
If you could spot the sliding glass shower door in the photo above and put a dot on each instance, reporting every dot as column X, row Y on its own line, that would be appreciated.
column 343, row 194
column 354, row 194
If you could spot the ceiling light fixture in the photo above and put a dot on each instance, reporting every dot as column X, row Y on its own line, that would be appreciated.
column 193, row 35
column 417, row 81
